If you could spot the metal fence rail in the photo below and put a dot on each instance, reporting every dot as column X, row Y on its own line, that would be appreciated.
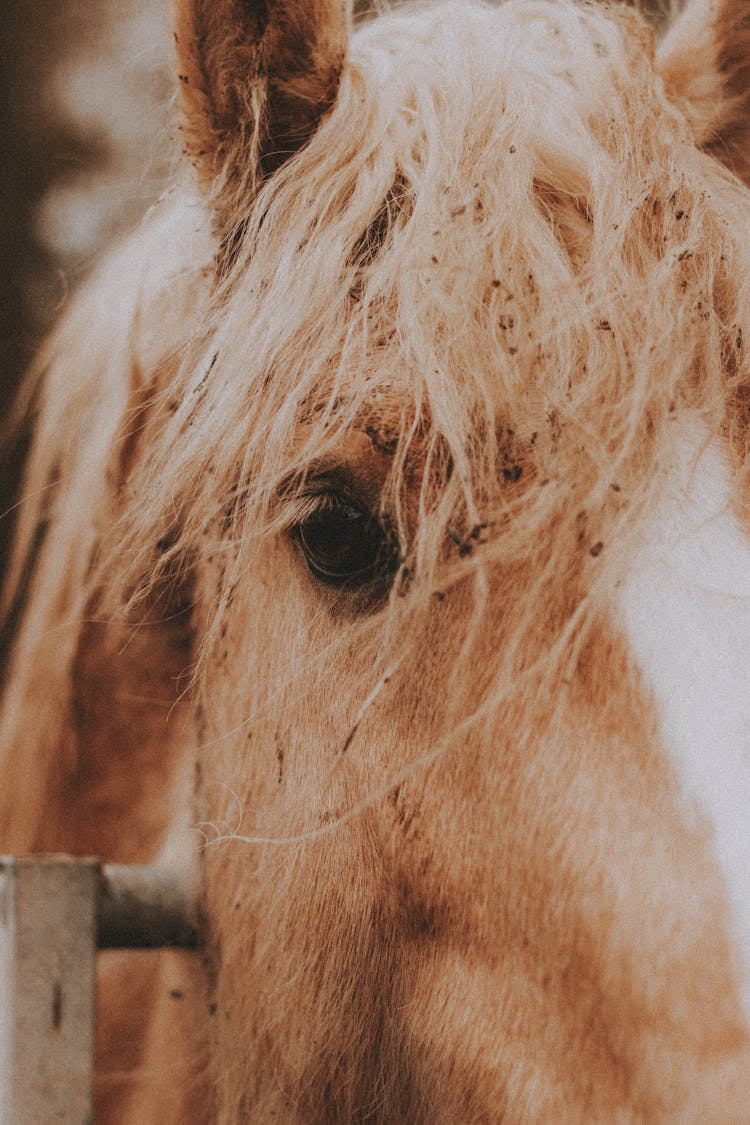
column 55, row 912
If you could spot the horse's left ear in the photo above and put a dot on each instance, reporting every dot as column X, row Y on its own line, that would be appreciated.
column 256, row 77
column 705, row 62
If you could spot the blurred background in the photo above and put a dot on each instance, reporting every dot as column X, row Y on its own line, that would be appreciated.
column 85, row 121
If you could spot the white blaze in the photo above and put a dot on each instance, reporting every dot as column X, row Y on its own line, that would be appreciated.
column 686, row 607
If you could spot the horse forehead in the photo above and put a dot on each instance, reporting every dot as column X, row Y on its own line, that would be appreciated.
column 685, row 608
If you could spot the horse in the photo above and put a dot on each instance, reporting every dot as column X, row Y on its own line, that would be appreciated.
column 383, row 564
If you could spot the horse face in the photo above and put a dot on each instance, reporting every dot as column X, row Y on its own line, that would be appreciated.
column 449, row 467
column 430, row 892
column 463, row 836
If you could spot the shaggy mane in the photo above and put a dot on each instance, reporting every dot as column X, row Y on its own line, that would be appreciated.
column 522, row 273
column 510, row 281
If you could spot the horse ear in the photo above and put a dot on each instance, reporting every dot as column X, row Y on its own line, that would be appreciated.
column 705, row 62
column 256, row 77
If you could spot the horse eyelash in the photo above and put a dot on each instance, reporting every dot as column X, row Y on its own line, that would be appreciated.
column 300, row 499
column 303, row 506
column 308, row 504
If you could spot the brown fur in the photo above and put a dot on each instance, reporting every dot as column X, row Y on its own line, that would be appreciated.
column 448, row 871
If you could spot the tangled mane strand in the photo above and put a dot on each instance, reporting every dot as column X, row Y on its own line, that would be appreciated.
column 88, row 387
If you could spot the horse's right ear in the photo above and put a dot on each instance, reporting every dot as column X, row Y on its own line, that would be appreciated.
column 705, row 62
column 256, row 77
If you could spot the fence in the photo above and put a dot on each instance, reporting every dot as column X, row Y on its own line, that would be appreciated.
column 55, row 912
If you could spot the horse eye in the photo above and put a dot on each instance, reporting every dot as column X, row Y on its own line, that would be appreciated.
column 344, row 546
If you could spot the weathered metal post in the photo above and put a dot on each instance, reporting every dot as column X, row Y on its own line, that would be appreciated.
column 47, row 989
column 55, row 911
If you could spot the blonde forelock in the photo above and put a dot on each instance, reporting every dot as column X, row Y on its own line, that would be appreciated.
column 503, row 243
